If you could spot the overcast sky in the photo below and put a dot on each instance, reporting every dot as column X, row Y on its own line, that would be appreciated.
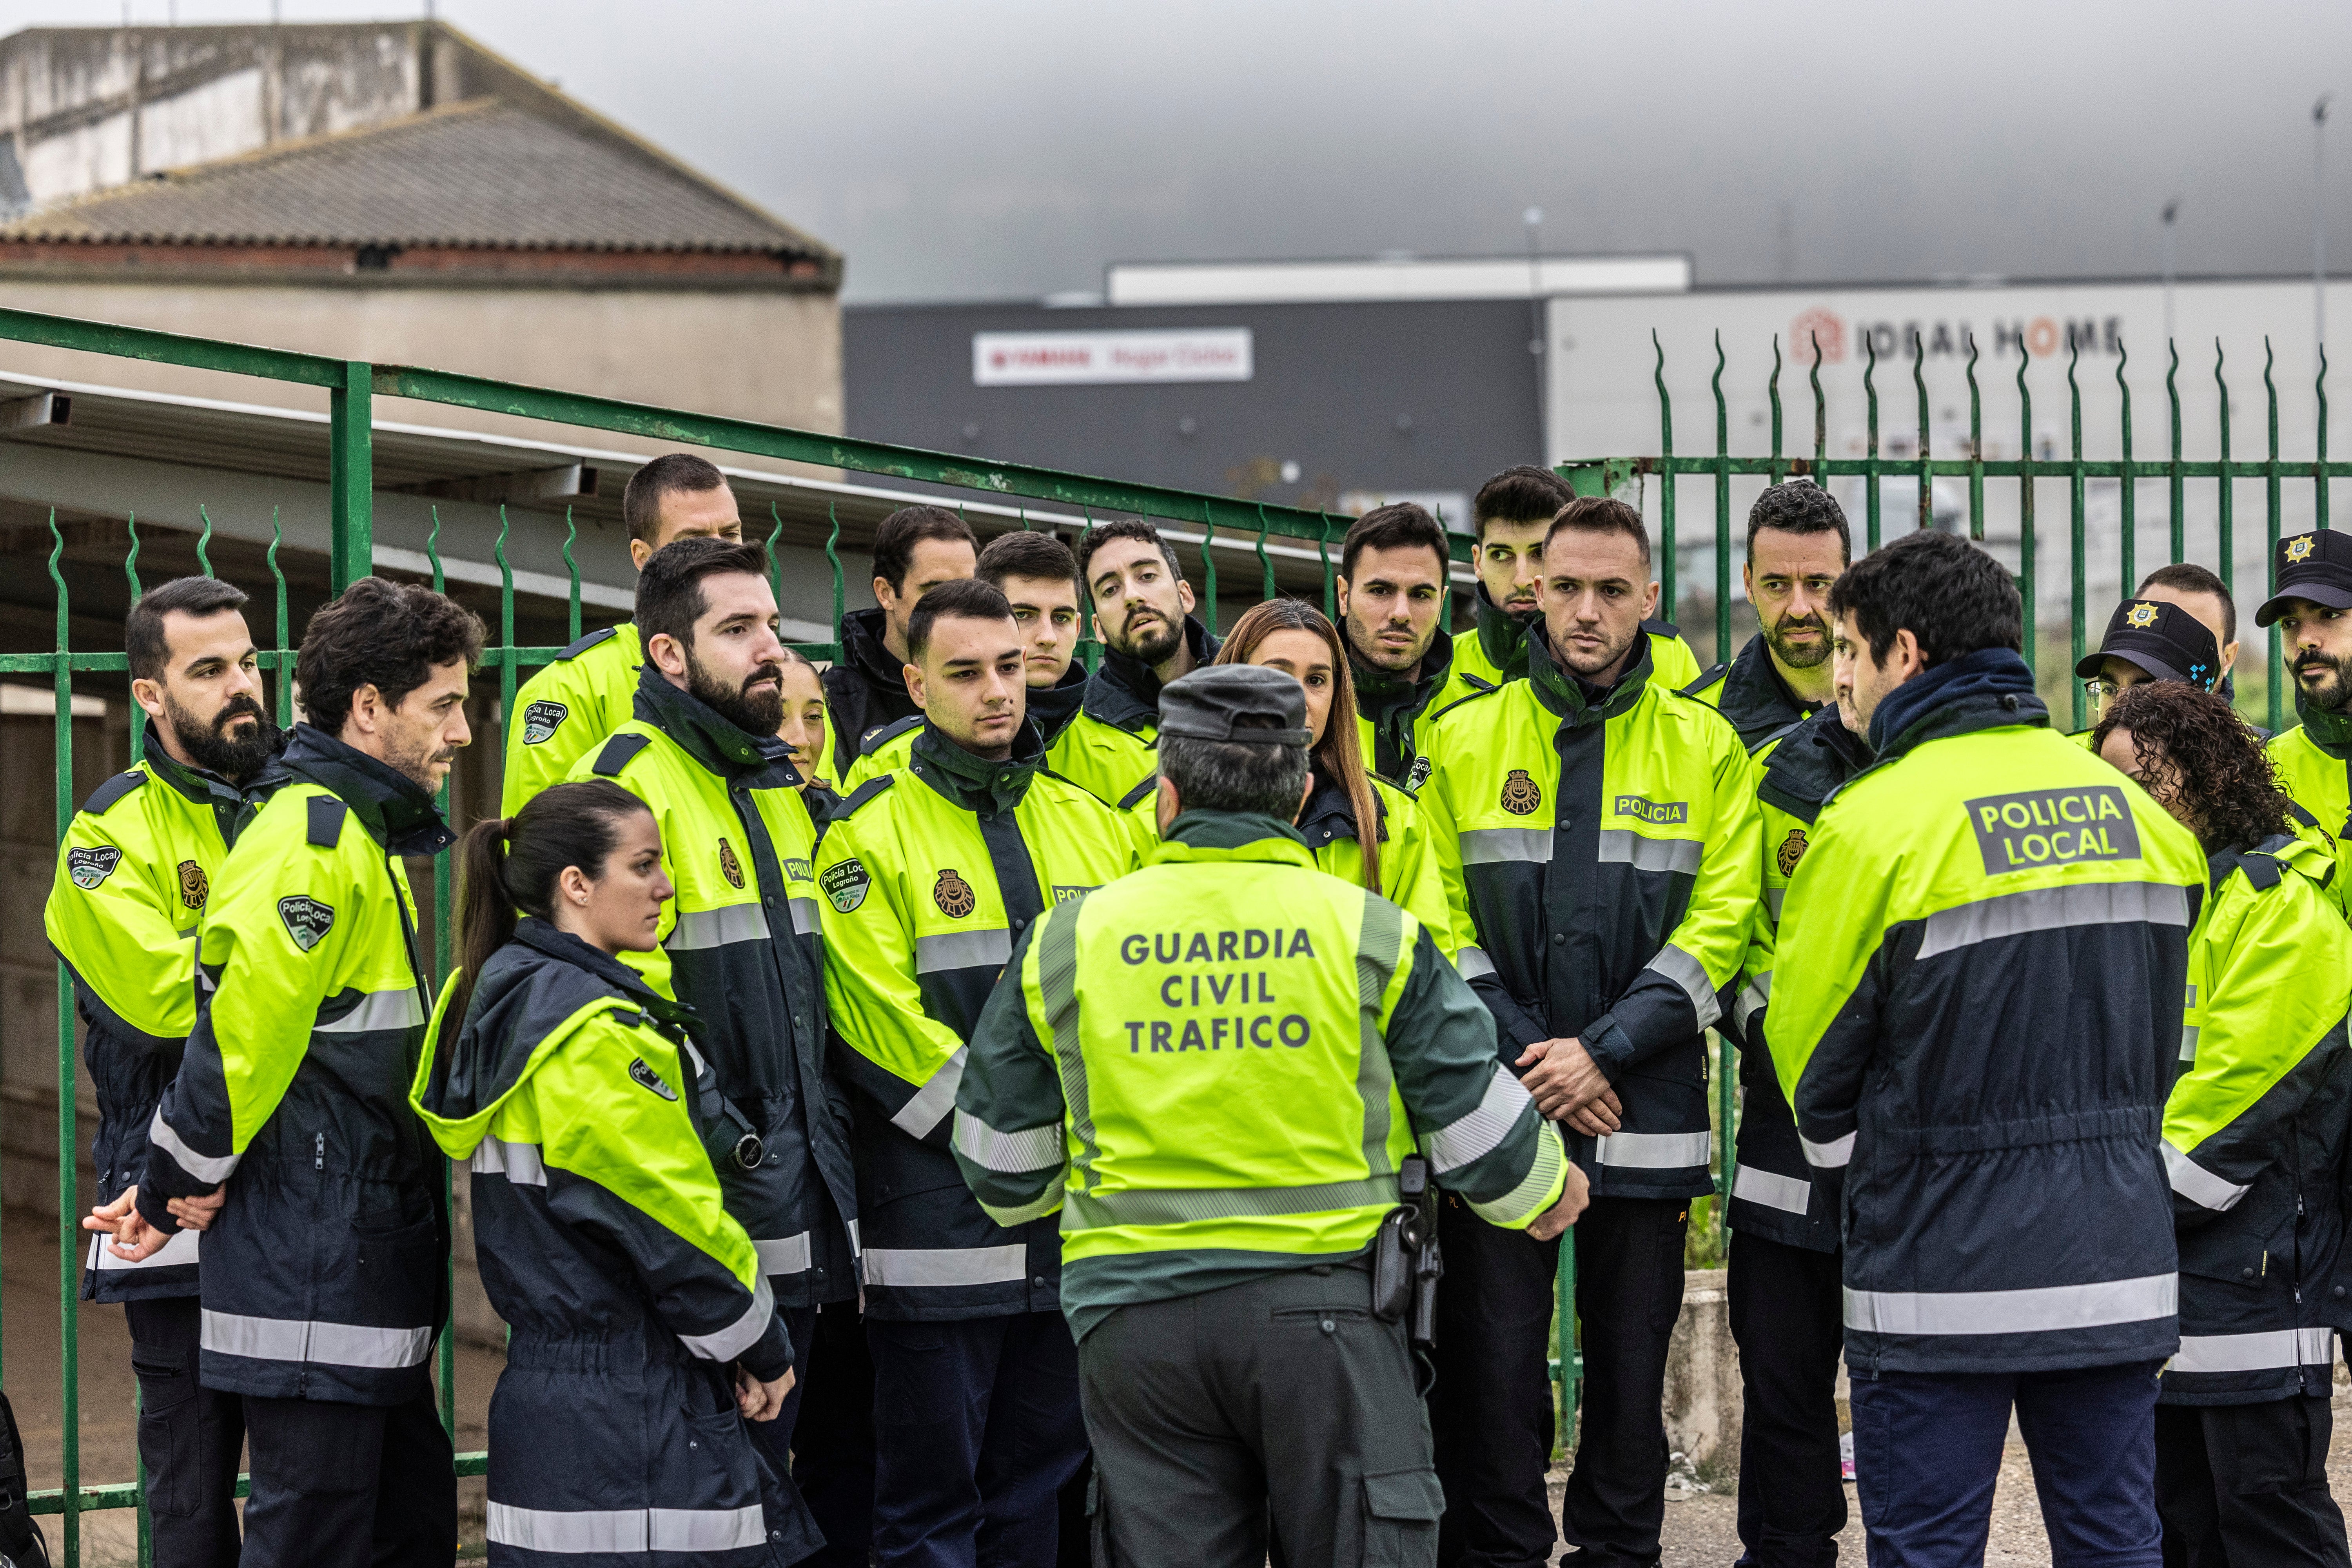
column 1005, row 150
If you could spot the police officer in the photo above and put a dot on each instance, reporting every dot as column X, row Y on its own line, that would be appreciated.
column 1994, row 933
column 2147, row 640
column 1039, row 577
column 642, row 1326
column 1513, row 512
column 1143, row 614
column 1215, row 1070
column 1783, row 1278
column 1600, row 833
column 929, row 876
column 739, row 941
column 132, row 879
column 917, row 549
column 564, row 709
column 2205, row 597
column 286, row 1136
column 1391, row 585
column 2255, row 1132
column 2312, row 611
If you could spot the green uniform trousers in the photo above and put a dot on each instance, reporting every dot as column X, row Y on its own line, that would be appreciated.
column 1282, row 1398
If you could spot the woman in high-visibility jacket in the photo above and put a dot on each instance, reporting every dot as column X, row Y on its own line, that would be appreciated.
column 2253, row 1142
column 804, row 732
column 644, row 1332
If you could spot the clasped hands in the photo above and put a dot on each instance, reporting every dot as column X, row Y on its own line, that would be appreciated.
column 1568, row 1086
column 133, row 1239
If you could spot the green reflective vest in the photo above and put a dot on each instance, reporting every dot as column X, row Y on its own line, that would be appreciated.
column 566, row 708
column 1212, row 1067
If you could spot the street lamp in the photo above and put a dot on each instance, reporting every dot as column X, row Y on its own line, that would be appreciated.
column 2171, row 211
column 2319, row 222
column 1532, row 219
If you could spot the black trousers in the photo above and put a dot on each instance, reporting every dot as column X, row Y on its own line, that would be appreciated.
column 191, row 1438
column 832, row 1453
column 349, row 1486
column 1282, row 1397
column 1490, row 1409
column 1629, row 1291
column 1788, row 1319
column 2247, row 1484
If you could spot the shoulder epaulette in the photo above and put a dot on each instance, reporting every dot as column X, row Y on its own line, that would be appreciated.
column 327, row 814
column 111, row 791
column 1707, row 678
column 2292, row 810
column 1661, row 628
column 876, row 739
column 616, row 754
column 1483, row 690
column 1775, row 735
column 861, row 795
column 1134, row 798
column 585, row 644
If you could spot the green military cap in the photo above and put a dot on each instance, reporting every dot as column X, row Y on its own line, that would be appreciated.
column 1212, row 703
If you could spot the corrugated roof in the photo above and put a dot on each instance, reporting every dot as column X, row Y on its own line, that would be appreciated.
column 482, row 173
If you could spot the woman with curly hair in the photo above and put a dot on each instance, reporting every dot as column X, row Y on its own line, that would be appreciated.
column 1393, row 859
column 2255, row 1131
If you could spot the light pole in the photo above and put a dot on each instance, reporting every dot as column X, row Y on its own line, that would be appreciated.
column 2171, row 211
column 1532, row 219
column 2319, row 222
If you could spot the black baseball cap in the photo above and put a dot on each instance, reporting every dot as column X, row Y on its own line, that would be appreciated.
column 2316, row 567
column 2163, row 640
column 1207, row 704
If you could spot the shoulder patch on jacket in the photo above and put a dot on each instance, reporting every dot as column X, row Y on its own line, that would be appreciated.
column 645, row 1077
column 91, row 864
column 876, row 739
column 618, row 752
column 862, row 794
column 1134, row 798
column 1707, row 678
column 327, row 814
column 306, row 920
column 106, row 794
column 591, row 641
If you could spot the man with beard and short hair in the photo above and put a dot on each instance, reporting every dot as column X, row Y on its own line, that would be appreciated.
column 740, row 942
column 1600, row 834
column 1798, row 543
column 1039, row 577
column 2312, row 611
column 1513, row 512
column 132, row 879
column 1391, row 586
column 286, row 1136
column 916, row 548
column 1143, row 614
column 932, row 873
column 577, row 700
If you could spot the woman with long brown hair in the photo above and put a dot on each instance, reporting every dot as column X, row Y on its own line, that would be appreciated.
column 1392, row 858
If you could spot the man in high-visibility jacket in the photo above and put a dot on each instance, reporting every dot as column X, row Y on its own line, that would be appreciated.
column 1980, row 1037
column 287, row 1137
column 1598, row 834
column 133, row 877
column 2312, row 611
column 1783, row 1278
column 1214, row 1069
column 1039, row 578
column 2254, row 1134
column 1391, row 584
column 916, row 549
column 1143, row 616
column 929, row 875
column 1513, row 512
column 2204, row 595
column 561, row 711
column 739, row 941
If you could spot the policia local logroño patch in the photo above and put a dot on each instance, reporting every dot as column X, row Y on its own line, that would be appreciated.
column 1218, row 987
column 2053, row 827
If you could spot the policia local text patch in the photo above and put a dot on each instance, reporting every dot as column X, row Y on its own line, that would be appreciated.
column 2053, row 827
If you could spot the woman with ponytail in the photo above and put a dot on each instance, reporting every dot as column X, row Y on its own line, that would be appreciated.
column 1392, row 856
column 644, row 1332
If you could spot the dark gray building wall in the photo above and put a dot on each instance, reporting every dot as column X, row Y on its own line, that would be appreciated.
column 1383, row 397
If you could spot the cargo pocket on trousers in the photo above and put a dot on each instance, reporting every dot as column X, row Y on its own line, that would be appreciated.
column 168, row 1437
column 1401, row 1509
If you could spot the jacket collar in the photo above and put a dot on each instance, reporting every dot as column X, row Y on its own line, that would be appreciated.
column 862, row 649
column 975, row 783
column 1814, row 758
column 397, row 814
column 2332, row 732
column 715, row 743
column 1981, row 690
column 1502, row 637
column 1568, row 699
column 1052, row 707
column 1381, row 695
column 1329, row 815
column 1756, row 698
column 203, row 787
column 1125, row 692
column 545, row 938
column 1228, row 835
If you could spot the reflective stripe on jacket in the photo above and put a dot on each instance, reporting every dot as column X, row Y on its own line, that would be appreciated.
column 325, row 1263
column 930, row 876
column 1602, row 872
column 741, row 945
column 1212, row 1067
column 566, row 708
column 1995, row 928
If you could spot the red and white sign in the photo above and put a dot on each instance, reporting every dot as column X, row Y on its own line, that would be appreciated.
column 1080, row 359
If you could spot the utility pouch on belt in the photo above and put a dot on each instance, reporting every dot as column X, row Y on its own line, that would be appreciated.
column 1406, row 1261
